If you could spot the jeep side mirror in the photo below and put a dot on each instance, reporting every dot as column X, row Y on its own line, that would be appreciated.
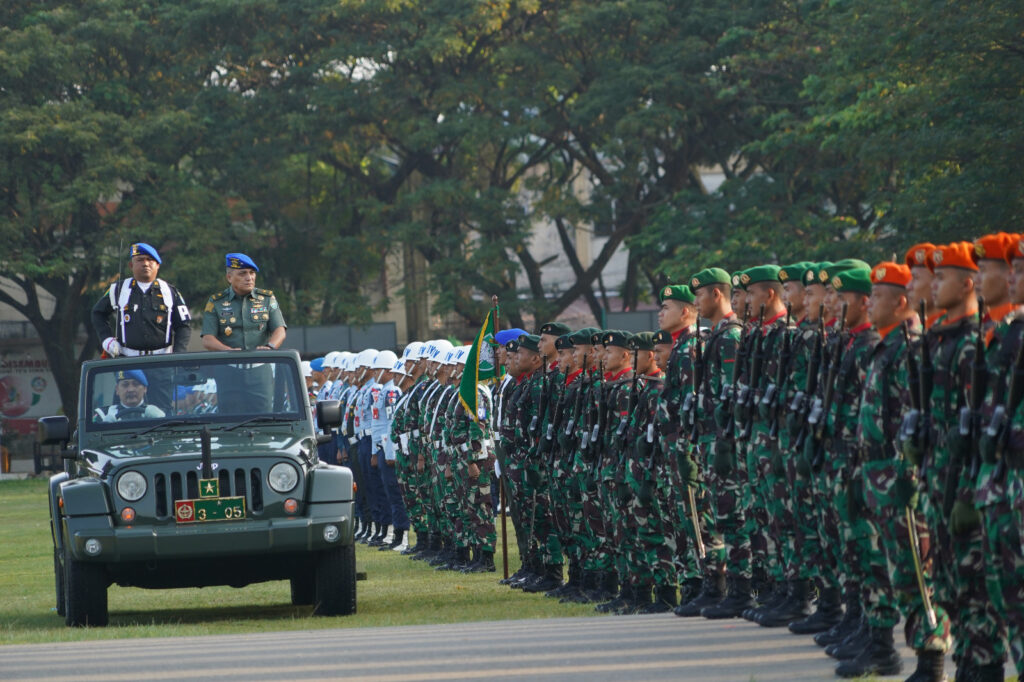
column 53, row 430
column 328, row 414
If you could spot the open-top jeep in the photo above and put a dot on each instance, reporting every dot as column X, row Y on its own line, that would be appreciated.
column 198, row 469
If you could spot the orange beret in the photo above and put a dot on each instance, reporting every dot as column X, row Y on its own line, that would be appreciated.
column 992, row 247
column 891, row 273
column 955, row 255
column 1016, row 248
column 920, row 255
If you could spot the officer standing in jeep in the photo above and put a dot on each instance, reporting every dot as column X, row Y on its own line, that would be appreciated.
column 243, row 317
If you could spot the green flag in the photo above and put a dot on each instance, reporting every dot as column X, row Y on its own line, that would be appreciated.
column 480, row 367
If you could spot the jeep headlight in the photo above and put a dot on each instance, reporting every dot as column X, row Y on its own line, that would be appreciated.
column 282, row 477
column 131, row 486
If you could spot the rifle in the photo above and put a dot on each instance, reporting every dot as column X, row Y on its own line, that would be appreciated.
column 620, row 432
column 801, row 405
column 830, row 392
column 578, row 403
column 542, row 407
column 927, row 378
column 599, row 425
column 970, row 417
column 690, row 404
column 1002, row 415
column 730, row 392
column 748, row 396
column 772, row 394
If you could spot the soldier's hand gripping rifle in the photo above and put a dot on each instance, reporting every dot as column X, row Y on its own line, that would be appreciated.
column 820, row 421
column 748, row 394
column 803, row 401
column 910, row 428
column 774, row 393
column 964, row 448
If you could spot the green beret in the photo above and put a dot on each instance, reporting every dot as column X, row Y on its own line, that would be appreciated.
column 709, row 276
column 794, row 272
column 530, row 342
column 759, row 273
column 616, row 337
column 595, row 337
column 677, row 292
column 661, row 336
column 642, row 341
column 834, row 269
column 857, row 280
column 555, row 328
column 582, row 337
column 736, row 279
column 512, row 346
column 563, row 342
column 813, row 274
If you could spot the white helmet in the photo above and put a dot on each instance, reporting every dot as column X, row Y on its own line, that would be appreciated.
column 331, row 359
column 440, row 350
column 425, row 350
column 366, row 357
column 399, row 367
column 384, row 360
column 211, row 384
column 463, row 354
column 412, row 351
column 307, row 371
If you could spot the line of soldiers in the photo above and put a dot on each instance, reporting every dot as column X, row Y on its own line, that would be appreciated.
column 838, row 447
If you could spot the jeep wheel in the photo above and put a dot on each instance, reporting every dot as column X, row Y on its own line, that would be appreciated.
column 303, row 589
column 336, row 582
column 58, row 582
column 85, row 593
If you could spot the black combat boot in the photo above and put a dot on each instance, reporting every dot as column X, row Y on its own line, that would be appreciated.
column 993, row 672
column 796, row 607
column 770, row 597
column 711, row 592
column 444, row 556
column 930, row 667
column 399, row 536
column 378, row 539
column 618, row 601
column 606, row 586
column 879, row 658
column 639, row 597
column 664, row 600
column 367, row 531
column 550, row 579
column 533, row 573
column 829, row 612
column 571, row 585
column 689, row 589
column 853, row 644
column 462, row 561
column 484, row 561
column 841, row 630
column 589, row 581
column 416, row 548
column 739, row 599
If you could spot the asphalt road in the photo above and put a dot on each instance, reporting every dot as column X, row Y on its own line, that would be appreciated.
column 591, row 649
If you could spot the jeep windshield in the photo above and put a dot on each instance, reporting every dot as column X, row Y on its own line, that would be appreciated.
column 148, row 396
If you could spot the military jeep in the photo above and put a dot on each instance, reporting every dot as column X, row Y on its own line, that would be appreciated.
column 198, row 469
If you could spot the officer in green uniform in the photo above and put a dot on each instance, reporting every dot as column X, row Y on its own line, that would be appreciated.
column 243, row 317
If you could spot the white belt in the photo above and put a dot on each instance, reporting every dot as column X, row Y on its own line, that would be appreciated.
column 131, row 352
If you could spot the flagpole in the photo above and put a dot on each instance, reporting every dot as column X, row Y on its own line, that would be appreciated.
column 501, row 479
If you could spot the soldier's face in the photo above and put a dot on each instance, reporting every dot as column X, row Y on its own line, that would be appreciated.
column 856, row 307
column 565, row 360
column 920, row 287
column 884, row 305
column 616, row 359
column 243, row 281
column 645, row 361
column 662, row 351
column 1017, row 281
column 671, row 315
column 144, row 268
column 739, row 299
column 130, row 392
column 951, row 286
column 793, row 294
column 993, row 281
column 579, row 353
column 547, row 345
column 814, row 296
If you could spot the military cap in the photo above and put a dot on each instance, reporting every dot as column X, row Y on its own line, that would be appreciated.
column 563, row 342
column 239, row 261
column 709, row 276
column 955, row 255
column 759, row 273
column 642, row 341
column 794, row 272
column 736, row 280
column 133, row 375
column 143, row 249
column 555, row 328
column 920, row 255
column 506, row 335
column 895, row 274
column 676, row 292
column 856, row 280
column 616, row 337
column 992, row 247
column 813, row 274
column 317, row 364
column 1016, row 249
column 663, row 337
column 530, row 342
column 595, row 337
column 834, row 269
column 581, row 337
column 512, row 345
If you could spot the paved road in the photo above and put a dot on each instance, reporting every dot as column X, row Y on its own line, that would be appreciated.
column 590, row 649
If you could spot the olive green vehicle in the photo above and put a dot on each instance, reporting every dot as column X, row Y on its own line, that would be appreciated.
column 198, row 469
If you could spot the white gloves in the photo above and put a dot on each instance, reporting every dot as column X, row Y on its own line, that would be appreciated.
column 112, row 346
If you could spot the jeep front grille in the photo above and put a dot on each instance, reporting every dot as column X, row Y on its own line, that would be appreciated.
column 233, row 483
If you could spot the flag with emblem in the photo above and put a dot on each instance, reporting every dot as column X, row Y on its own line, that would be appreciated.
column 480, row 366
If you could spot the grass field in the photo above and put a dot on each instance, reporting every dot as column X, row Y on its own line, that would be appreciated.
column 398, row 592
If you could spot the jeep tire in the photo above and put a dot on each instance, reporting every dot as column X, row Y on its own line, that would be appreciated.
column 303, row 589
column 85, row 593
column 335, row 580
column 58, row 582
